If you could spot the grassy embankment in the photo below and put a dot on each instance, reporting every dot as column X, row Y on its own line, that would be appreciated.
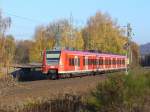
column 120, row 93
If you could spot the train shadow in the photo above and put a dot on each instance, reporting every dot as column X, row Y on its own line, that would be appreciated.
column 28, row 75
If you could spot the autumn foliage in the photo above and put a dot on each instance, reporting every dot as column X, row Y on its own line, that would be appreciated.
column 100, row 33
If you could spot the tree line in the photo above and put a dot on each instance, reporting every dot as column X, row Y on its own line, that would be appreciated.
column 100, row 33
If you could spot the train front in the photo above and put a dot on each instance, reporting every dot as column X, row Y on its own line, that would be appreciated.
column 51, row 63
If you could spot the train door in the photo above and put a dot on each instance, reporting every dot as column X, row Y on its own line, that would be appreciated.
column 116, row 63
column 97, row 63
column 76, row 63
column 86, row 63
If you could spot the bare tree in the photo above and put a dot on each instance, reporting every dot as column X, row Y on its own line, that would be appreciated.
column 4, row 26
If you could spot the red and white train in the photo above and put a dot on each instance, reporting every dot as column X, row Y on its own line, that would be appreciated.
column 67, row 63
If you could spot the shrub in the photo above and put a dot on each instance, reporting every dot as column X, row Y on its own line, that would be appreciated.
column 121, row 93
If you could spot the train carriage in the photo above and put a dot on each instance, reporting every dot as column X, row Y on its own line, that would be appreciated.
column 66, row 63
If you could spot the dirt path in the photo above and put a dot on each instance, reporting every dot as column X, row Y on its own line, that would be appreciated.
column 48, row 88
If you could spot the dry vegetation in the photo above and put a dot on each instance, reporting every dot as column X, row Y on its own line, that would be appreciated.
column 120, row 93
column 6, row 82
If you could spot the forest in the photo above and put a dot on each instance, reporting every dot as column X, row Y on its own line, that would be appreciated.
column 101, row 33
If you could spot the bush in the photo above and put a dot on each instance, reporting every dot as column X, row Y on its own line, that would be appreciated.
column 121, row 93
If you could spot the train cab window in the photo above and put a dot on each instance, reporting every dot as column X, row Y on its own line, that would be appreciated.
column 52, row 57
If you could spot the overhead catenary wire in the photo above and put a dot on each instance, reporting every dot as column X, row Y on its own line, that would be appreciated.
column 24, row 18
column 79, row 23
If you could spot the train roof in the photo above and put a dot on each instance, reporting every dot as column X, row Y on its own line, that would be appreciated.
column 92, row 53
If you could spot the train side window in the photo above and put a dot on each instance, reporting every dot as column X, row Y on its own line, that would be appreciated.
column 114, row 61
column 70, row 64
column 106, row 62
column 94, row 61
column 84, row 61
column 109, row 61
column 88, row 61
column 97, row 61
column 78, row 61
column 123, row 62
column 91, row 61
column 117, row 61
column 101, row 61
column 71, row 61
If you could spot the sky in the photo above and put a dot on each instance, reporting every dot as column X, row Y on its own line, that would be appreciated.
column 26, row 15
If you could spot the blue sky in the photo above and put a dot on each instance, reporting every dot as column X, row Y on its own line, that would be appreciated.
column 37, row 12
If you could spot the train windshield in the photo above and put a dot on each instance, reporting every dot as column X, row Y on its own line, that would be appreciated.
column 52, row 57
